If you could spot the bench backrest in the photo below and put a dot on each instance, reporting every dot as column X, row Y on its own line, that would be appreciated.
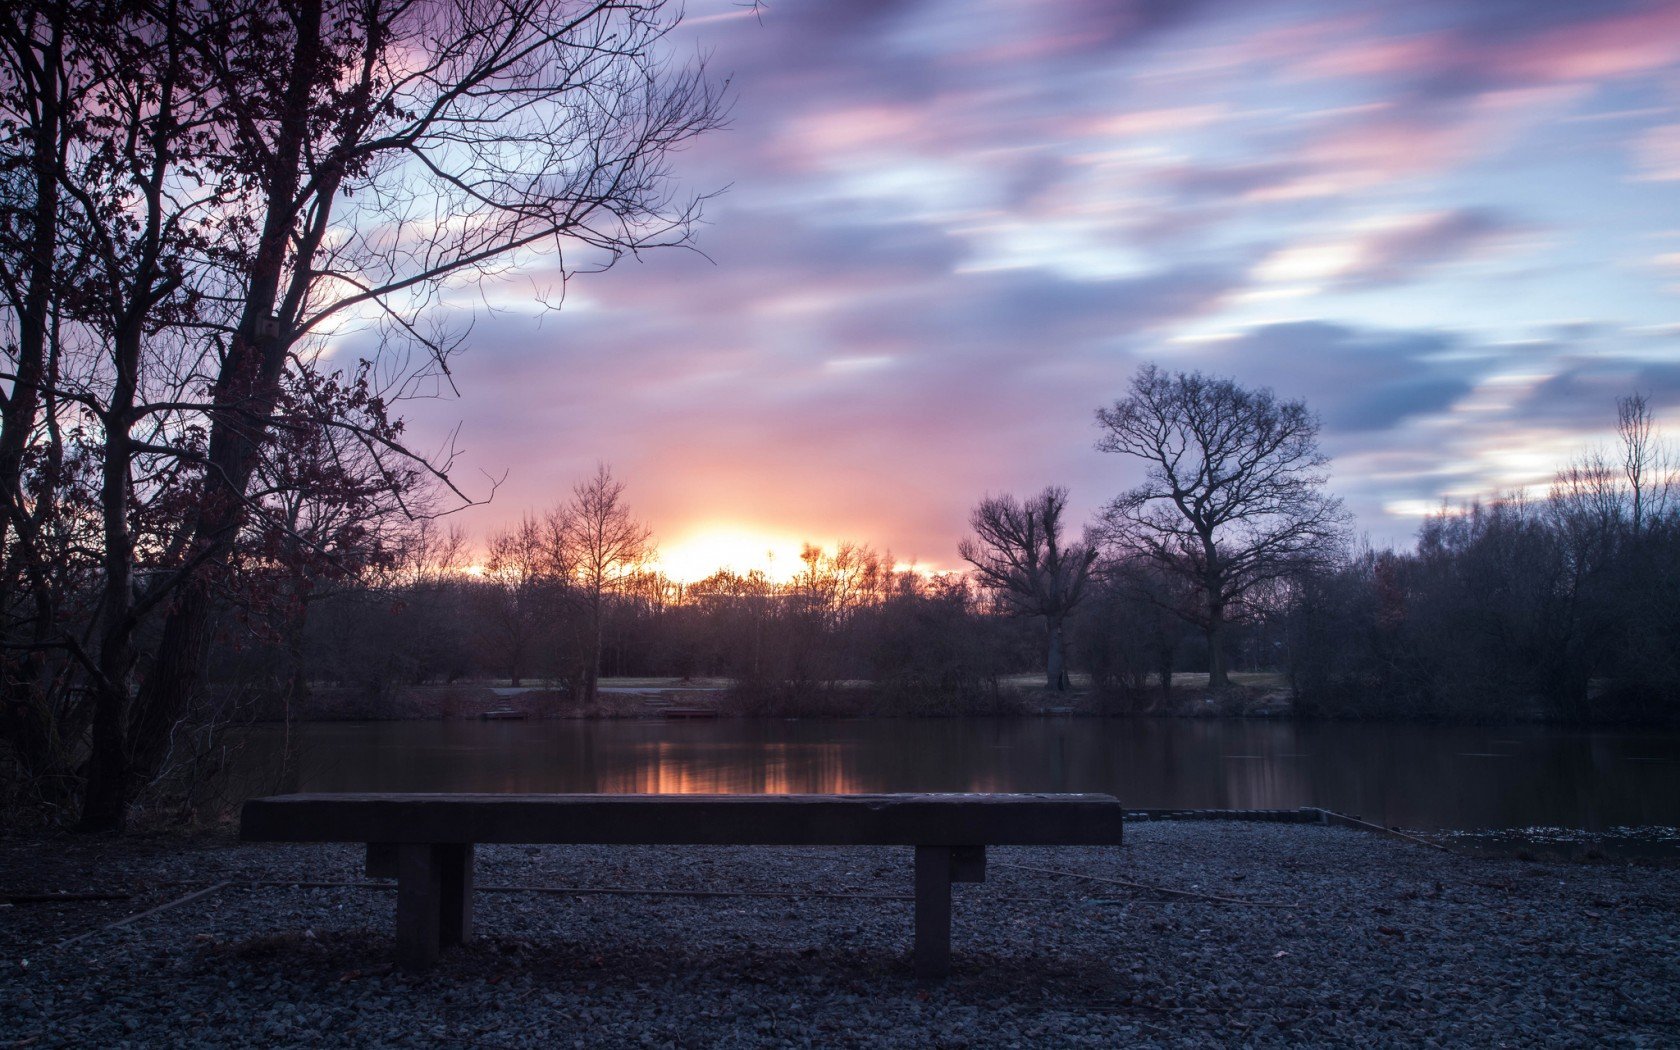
column 767, row 820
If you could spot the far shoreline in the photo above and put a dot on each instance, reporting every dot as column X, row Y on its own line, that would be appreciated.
column 1261, row 696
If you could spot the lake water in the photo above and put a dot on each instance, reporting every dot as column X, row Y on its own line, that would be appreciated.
column 1427, row 777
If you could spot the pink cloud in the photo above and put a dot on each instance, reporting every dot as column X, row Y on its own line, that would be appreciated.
column 1613, row 46
column 817, row 139
column 1144, row 122
column 844, row 368
column 1378, row 56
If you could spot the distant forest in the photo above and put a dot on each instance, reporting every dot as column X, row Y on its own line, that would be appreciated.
column 1561, row 607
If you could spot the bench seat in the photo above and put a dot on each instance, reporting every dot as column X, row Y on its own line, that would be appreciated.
column 426, row 840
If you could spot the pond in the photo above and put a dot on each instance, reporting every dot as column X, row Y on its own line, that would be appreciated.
column 1427, row 777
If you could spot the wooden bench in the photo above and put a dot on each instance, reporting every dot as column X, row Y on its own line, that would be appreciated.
column 426, row 841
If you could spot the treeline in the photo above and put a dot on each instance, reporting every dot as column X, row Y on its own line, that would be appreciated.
column 849, row 634
column 1563, row 607
column 1560, row 607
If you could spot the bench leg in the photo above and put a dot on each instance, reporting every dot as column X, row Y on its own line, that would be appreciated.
column 382, row 860
column 434, row 900
column 933, row 911
column 455, row 916
column 936, row 868
column 419, row 905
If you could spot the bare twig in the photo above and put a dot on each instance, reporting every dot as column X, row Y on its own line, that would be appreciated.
column 188, row 899
column 1146, row 886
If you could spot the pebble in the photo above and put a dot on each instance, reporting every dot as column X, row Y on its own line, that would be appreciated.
column 1363, row 939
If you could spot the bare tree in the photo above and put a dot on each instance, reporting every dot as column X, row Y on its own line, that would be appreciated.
column 459, row 138
column 606, row 547
column 1647, row 462
column 1232, row 496
column 1602, row 502
column 512, row 596
column 1017, row 550
column 248, row 182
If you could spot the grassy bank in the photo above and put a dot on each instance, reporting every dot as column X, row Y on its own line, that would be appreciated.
column 1251, row 694
column 648, row 697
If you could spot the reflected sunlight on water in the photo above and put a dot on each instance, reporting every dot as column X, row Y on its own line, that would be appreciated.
column 1412, row 776
column 669, row 767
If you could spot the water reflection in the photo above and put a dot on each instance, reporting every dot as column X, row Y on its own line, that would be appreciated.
column 1415, row 776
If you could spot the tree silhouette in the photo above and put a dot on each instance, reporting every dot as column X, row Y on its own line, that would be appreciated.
column 606, row 547
column 1232, row 497
column 201, row 198
column 1017, row 551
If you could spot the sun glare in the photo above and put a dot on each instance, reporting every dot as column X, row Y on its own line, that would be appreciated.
column 697, row 555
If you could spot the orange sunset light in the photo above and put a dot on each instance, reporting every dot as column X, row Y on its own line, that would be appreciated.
column 738, row 548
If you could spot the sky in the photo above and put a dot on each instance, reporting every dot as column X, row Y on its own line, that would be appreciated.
column 950, row 230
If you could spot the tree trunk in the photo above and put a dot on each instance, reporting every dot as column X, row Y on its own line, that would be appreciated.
column 297, row 664
column 1213, row 581
column 176, row 671
column 24, row 690
column 19, row 408
column 1218, row 678
column 592, row 673
column 1055, row 672
column 245, row 394
column 105, row 807
column 106, row 804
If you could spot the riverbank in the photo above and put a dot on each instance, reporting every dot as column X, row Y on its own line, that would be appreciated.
column 1250, row 695
column 1344, row 938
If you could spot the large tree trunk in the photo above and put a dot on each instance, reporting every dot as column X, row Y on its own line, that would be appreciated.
column 105, row 807
column 297, row 663
column 246, row 391
column 23, row 689
column 1218, row 677
column 1055, row 670
column 592, row 669
column 1213, row 582
column 21, row 404
column 174, row 677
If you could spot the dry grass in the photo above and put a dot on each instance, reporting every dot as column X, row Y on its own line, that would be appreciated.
column 1251, row 679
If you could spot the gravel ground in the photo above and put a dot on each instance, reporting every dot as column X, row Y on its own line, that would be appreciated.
column 1370, row 940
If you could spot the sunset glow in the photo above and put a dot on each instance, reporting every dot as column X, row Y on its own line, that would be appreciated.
column 952, row 230
column 699, row 554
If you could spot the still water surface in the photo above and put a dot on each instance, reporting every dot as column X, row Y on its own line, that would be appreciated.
column 1410, row 776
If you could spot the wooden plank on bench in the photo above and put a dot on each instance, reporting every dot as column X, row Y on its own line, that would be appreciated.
column 746, row 820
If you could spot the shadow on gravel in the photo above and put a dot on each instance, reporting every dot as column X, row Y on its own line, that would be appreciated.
column 985, row 979
column 295, row 954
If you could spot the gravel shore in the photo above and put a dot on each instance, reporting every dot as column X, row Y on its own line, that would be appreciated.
column 1349, row 938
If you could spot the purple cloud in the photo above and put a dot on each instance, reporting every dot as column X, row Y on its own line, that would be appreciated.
column 954, row 228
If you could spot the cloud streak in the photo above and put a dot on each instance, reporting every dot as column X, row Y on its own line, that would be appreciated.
column 954, row 229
